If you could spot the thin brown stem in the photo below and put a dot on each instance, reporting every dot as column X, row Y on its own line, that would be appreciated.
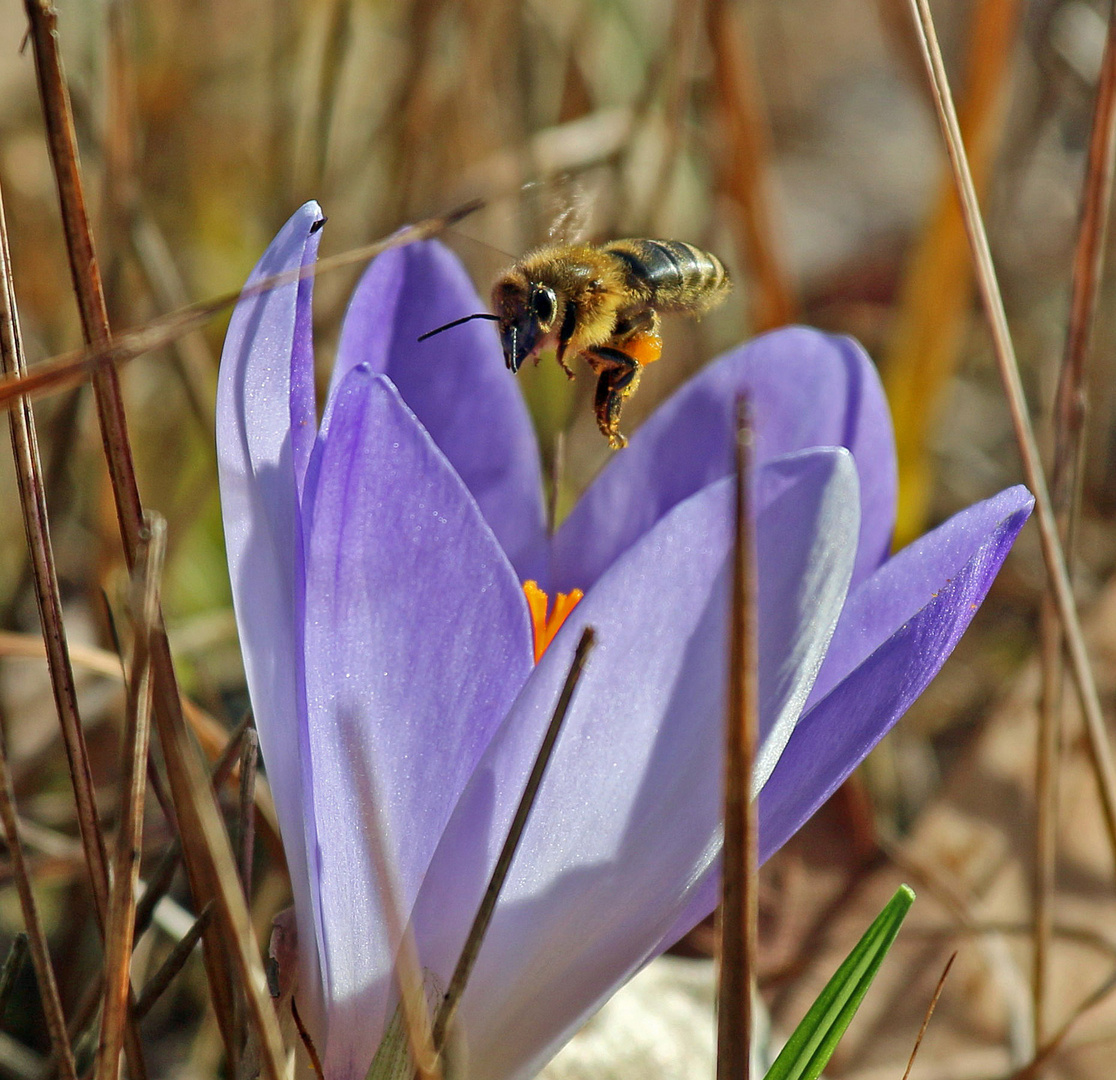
column 1099, row 748
column 1033, row 1069
column 739, row 890
column 245, row 846
column 744, row 167
column 157, row 886
column 929, row 1013
column 36, row 524
column 70, row 369
column 934, row 305
column 48, row 988
column 137, row 728
column 159, row 882
column 48, row 595
column 173, row 964
column 1065, row 480
column 407, row 968
column 1047, row 770
column 84, row 271
column 307, row 1042
column 245, row 816
column 474, row 939
column 13, row 965
column 681, row 49
column 1088, row 262
column 208, row 857
column 211, row 870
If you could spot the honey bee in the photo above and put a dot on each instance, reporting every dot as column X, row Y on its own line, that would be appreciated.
column 602, row 303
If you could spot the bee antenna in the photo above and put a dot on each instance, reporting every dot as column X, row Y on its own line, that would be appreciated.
column 458, row 322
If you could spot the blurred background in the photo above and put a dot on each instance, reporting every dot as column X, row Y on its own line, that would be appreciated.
column 797, row 141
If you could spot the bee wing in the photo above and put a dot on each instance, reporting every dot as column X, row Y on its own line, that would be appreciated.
column 571, row 222
column 573, row 205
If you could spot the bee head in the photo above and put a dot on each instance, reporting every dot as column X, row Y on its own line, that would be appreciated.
column 527, row 313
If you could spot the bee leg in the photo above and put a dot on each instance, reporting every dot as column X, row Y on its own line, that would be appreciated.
column 637, row 336
column 565, row 367
column 560, row 352
column 619, row 376
column 643, row 320
column 565, row 333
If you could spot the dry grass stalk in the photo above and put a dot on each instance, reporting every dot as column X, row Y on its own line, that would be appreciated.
column 48, row 988
column 129, row 838
column 929, row 1013
column 1033, row 1069
column 679, row 62
column 1065, row 480
column 37, row 530
column 443, row 1020
column 156, row 887
column 1100, row 750
column 208, row 856
column 744, row 167
column 156, row 986
column 407, row 969
column 74, row 368
column 245, row 814
column 200, row 858
column 29, row 479
column 12, row 966
column 739, row 912
column 935, row 301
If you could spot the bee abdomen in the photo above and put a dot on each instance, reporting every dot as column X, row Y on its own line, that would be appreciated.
column 670, row 273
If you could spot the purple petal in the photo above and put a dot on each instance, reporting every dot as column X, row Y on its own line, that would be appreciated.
column 804, row 389
column 564, row 926
column 805, row 544
column 628, row 815
column 834, row 736
column 908, row 582
column 456, row 383
column 265, row 424
column 953, row 567
column 417, row 641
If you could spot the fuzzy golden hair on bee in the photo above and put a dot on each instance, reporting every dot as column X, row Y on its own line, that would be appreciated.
column 603, row 303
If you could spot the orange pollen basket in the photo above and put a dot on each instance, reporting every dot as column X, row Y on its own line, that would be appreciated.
column 644, row 348
column 545, row 628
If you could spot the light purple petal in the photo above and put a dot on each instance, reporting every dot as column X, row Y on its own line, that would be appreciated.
column 909, row 581
column 805, row 545
column 948, row 571
column 566, row 913
column 804, row 389
column 628, row 815
column 834, row 736
column 265, row 424
column 456, row 384
column 417, row 642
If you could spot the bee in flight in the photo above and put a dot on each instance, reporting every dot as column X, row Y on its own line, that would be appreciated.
column 601, row 303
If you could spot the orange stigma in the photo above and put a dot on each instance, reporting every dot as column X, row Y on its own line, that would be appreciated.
column 545, row 628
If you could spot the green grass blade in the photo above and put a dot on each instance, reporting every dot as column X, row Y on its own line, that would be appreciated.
column 814, row 1040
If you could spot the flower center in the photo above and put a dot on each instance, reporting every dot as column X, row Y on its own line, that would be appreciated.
column 545, row 627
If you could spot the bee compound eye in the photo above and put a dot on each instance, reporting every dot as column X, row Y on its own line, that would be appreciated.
column 543, row 303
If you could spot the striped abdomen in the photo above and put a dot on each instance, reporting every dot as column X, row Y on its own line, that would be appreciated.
column 669, row 274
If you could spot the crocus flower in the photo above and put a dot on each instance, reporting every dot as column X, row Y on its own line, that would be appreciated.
column 378, row 561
